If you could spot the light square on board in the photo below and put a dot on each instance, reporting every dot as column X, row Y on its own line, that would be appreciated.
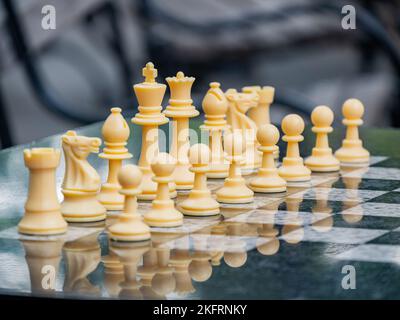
column 383, row 253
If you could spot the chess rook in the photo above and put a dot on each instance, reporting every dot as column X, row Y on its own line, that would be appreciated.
column 42, row 208
column 293, row 169
column 215, row 107
column 199, row 201
column 163, row 212
column 261, row 113
column 234, row 189
column 268, row 179
column 180, row 109
column 149, row 95
column 322, row 159
column 130, row 226
column 115, row 133
column 352, row 150
column 81, row 183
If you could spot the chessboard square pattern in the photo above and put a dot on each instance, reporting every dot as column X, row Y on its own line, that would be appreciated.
column 372, row 253
column 375, row 209
column 379, row 173
column 334, row 194
column 336, row 235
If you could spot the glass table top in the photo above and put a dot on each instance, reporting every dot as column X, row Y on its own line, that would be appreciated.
column 303, row 244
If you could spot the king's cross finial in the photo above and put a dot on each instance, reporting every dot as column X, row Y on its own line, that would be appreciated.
column 149, row 72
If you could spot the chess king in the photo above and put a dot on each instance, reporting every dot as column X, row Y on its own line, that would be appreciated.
column 150, row 95
column 180, row 109
column 81, row 183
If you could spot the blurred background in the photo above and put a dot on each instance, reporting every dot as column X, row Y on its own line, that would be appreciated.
column 55, row 80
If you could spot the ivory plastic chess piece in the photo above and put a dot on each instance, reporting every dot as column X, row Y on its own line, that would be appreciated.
column 180, row 109
column 322, row 159
column 352, row 150
column 163, row 212
column 268, row 179
column 234, row 189
column 239, row 105
column 43, row 256
column 150, row 95
column 130, row 226
column 81, row 256
column 199, row 202
column 81, row 183
column 115, row 134
column 42, row 208
column 215, row 107
column 293, row 169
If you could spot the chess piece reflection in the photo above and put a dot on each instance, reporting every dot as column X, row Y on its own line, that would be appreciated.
column 200, row 268
column 163, row 282
column 115, row 134
column 82, row 257
column 352, row 195
column 267, row 243
column 293, row 231
column 146, row 273
column 180, row 109
column 239, row 105
column 43, row 260
column 150, row 95
column 130, row 254
column 113, row 273
column 235, row 254
column 322, row 219
column 180, row 261
column 42, row 208
column 215, row 107
column 81, row 181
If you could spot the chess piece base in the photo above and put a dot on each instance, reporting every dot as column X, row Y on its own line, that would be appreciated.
column 322, row 164
column 163, row 215
column 352, row 154
column 149, row 187
column 42, row 223
column 235, row 191
column 268, row 184
column 81, row 206
column 129, row 231
column 199, row 207
column 295, row 172
column 110, row 198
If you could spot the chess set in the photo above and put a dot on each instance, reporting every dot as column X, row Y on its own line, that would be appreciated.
column 173, row 217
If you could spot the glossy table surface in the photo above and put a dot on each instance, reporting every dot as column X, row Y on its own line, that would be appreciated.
column 284, row 267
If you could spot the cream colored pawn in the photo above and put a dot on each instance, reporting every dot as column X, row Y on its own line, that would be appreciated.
column 293, row 169
column 199, row 201
column 322, row 159
column 234, row 189
column 268, row 179
column 352, row 150
column 129, row 226
column 163, row 212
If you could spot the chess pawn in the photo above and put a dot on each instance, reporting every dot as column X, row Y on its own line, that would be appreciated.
column 130, row 226
column 42, row 208
column 180, row 109
column 113, row 273
column 352, row 150
column 146, row 272
column 115, row 134
column 322, row 159
column 200, row 268
column 199, row 201
column 293, row 169
column 215, row 107
column 271, row 246
column 234, row 189
column 180, row 261
column 150, row 95
column 163, row 212
column 81, row 181
column 81, row 257
column 268, row 179
column 43, row 256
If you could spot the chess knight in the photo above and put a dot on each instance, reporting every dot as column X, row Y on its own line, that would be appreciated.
column 81, row 181
column 239, row 104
